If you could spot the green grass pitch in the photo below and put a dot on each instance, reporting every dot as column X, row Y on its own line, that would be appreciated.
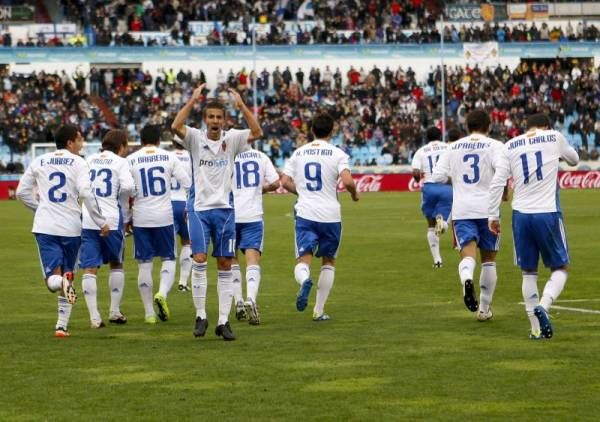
column 401, row 344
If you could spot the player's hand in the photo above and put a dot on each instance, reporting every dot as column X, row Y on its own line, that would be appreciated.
column 494, row 226
column 355, row 196
column 237, row 98
column 128, row 229
column 198, row 93
column 105, row 230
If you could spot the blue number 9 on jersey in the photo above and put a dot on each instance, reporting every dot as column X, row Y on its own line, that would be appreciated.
column 312, row 173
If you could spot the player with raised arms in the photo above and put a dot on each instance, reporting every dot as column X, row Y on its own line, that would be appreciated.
column 312, row 173
column 210, row 206
column 113, row 185
column 152, row 169
column 255, row 175
column 532, row 160
column 469, row 163
column 52, row 186
column 436, row 197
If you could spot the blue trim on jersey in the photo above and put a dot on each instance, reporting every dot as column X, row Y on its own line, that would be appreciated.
column 57, row 251
column 557, row 196
column 320, row 239
column 540, row 234
column 436, row 199
column 249, row 236
column 217, row 225
column 150, row 242
column 180, row 220
column 475, row 229
column 97, row 250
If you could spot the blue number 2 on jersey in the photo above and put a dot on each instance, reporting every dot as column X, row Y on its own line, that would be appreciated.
column 474, row 165
column 54, row 190
column 312, row 173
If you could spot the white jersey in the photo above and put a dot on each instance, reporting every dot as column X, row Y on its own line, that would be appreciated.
column 178, row 193
column 253, row 170
column 532, row 161
column 212, row 166
column 61, row 179
column 426, row 158
column 152, row 169
column 111, row 180
column 469, row 163
column 315, row 168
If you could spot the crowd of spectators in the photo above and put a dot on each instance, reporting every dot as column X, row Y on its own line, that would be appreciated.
column 381, row 113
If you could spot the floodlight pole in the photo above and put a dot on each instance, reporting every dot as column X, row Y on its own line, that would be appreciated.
column 443, row 79
column 254, row 67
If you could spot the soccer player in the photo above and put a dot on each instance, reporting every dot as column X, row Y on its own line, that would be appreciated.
column 51, row 187
column 312, row 173
column 254, row 176
column 152, row 169
column 112, row 184
column 436, row 197
column 210, row 208
column 532, row 160
column 178, row 201
column 469, row 163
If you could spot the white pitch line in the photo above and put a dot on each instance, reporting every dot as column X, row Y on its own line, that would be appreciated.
column 566, row 308
column 577, row 300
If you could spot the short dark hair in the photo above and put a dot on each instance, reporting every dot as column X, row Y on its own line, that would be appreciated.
column 114, row 139
column 322, row 125
column 150, row 135
column 478, row 121
column 433, row 134
column 64, row 134
column 176, row 144
column 214, row 104
column 540, row 120
column 454, row 134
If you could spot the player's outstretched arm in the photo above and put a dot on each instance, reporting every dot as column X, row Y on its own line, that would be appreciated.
column 288, row 184
column 349, row 184
column 567, row 152
column 255, row 129
column 416, row 174
column 25, row 190
column 178, row 125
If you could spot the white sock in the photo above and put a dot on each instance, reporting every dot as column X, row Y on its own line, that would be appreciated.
column 145, row 286
column 324, row 287
column 54, row 283
column 224, row 287
column 237, row 283
column 553, row 288
column 301, row 272
column 445, row 225
column 167, row 277
column 252, row 281
column 466, row 268
column 64, row 313
column 199, row 285
column 531, row 298
column 185, row 264
column 434, row 245
column 90, row 293
column 487, row 285
column 116, row 283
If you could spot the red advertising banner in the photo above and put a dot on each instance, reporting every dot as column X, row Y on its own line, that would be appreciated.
column 403, row 182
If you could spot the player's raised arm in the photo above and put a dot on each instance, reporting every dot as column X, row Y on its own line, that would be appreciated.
column 567, row 152
column 255, row 129
column 25, row 190
column 178, row 125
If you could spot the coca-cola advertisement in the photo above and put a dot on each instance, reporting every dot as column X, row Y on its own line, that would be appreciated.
column 579, row 180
